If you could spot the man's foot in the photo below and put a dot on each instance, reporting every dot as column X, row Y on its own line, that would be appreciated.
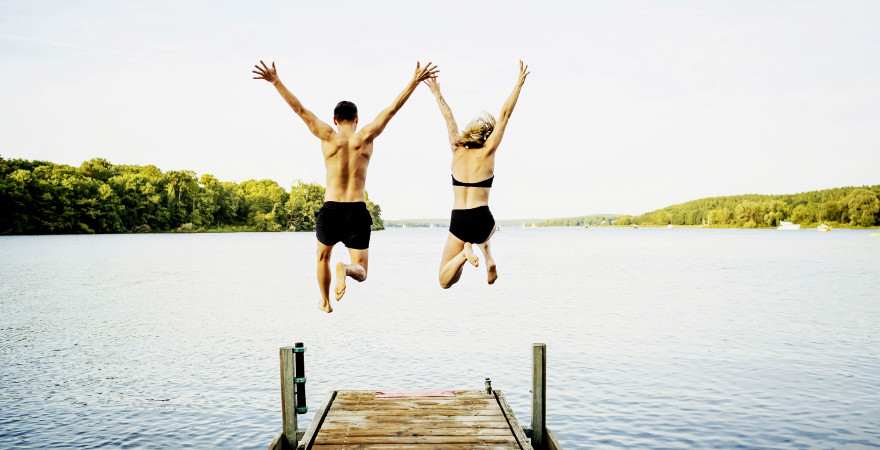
column 325, row 306
column 492, row 272
column 471, row 257
column 340, row 281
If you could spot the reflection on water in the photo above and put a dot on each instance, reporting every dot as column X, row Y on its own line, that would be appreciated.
column 656, row 338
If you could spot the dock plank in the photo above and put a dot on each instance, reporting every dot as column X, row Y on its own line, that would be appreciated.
column 415, row 431
column 418, row 440
column 399, row 420
column 475, row 427
column 423, row 412
column 374, row 395
column 415, row 447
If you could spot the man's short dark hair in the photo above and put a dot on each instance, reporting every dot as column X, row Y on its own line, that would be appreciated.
column 345, row 111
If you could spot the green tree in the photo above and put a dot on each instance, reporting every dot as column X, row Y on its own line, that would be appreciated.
column 305, row 201
column 832, row 211
column 720, row 216
column 99, row 197
column 804, row 214
column 774, row 212
column 261, row 197
column 98, row 168
column 181, row 194
column 752, row 210
column 749, row 214
column 375, row 214
column 18, row 215
column 863, row 207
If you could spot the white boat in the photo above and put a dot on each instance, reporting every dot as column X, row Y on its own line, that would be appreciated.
column 786, row 226
column 669, row 226
column 824, row 227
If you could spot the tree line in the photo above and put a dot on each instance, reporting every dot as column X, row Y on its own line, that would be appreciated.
column 39, row 197
column 579, row 221
column 846, row 206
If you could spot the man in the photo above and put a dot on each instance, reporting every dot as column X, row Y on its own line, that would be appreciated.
column 347, row 151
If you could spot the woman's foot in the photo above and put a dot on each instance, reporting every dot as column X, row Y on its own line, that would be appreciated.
column 325, row 306
column 471, row 257
column 340, row 281
column 491, row 272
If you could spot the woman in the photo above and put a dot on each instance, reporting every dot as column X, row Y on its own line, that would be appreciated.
column 473, row 169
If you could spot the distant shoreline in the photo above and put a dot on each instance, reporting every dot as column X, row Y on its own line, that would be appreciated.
column 651, row 226
column 44, row 198
column 393, row 227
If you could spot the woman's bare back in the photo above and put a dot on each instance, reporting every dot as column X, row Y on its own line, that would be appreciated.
column 471, row 165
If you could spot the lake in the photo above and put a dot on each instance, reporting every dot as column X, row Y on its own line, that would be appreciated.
column 657, row 338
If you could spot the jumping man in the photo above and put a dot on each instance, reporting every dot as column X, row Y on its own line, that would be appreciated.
column 347, row 151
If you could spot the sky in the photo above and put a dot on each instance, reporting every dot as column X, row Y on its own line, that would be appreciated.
column 631, row 105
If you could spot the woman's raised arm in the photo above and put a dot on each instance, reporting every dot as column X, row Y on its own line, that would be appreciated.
column 506, row 110
column 451, row 126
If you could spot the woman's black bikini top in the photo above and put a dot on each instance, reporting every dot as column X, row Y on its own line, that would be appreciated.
column 487, row 183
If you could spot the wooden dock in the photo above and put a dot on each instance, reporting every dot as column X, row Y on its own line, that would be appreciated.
column 454, row 420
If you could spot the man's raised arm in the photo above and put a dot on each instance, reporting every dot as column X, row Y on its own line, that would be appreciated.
column 374, row 128
column 318, row 127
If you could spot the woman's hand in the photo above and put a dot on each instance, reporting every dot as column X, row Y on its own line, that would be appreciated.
column 265, row 73
column 523, row 72
column 433, row 85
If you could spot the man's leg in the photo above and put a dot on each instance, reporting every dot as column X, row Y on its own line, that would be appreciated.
column 356, row 270
column 324, row 276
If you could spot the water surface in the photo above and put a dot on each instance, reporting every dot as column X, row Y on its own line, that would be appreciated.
column 682, row 338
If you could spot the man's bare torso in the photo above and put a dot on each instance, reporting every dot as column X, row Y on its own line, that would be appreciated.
column 346, row 158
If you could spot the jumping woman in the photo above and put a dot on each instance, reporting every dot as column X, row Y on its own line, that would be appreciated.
column 473, row 169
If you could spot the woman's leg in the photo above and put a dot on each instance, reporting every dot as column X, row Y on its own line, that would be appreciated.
column 469, row 254
column 491, row 268
column 452, row 262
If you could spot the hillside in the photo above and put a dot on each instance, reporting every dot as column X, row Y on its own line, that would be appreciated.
column 849, row 206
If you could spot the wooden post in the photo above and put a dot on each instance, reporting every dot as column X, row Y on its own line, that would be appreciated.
column 539, row 396
column 288, row 398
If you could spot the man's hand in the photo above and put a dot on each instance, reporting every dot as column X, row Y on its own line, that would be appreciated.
column 374, row 128
column 523, row 72
column 320, row 129
column 265, row 73
column 429, row 72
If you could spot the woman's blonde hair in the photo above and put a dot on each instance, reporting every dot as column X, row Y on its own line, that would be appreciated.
column 477, row 131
